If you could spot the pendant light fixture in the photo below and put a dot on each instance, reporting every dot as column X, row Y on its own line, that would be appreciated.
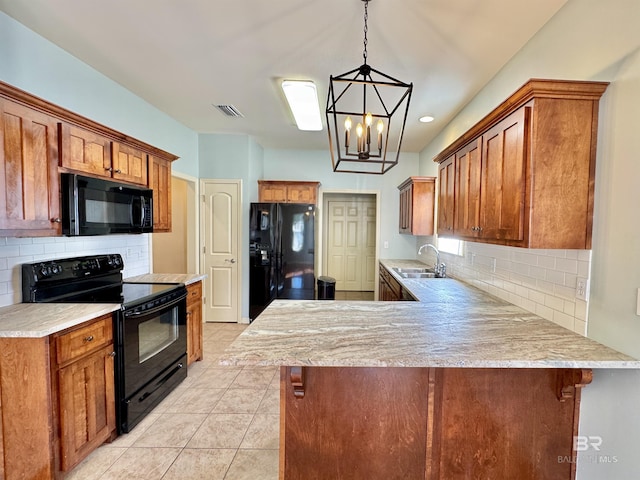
column 360, row 108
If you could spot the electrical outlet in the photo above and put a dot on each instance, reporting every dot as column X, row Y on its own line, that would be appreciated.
column 638, row 303
column 582, row 286
column 385, row 244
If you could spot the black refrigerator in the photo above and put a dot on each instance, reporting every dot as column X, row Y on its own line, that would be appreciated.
column 281, row 251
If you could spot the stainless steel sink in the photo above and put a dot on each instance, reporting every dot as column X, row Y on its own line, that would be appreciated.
column 415, row 272
column 418, row 275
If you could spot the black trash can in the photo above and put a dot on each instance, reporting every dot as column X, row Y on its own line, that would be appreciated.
column 326, row 288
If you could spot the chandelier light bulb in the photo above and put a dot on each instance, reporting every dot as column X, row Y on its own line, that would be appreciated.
column 347, row 124
column 368, row 119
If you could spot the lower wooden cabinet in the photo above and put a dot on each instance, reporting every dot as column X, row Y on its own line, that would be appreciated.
column 389, row 290
column 58, row 400
column 85, row 389
column 194, row 322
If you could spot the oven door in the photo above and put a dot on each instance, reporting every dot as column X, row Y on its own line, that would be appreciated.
column 151, row 359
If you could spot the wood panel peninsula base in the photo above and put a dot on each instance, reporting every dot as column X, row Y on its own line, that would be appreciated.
column 429, row 423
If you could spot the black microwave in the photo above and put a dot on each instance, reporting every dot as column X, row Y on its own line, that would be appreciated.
column 94, row 206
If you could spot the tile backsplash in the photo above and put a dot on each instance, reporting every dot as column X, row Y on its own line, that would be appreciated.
column 540, row 281
column 16, row 251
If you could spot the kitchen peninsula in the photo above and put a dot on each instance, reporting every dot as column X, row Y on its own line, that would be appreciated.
column 457, row 385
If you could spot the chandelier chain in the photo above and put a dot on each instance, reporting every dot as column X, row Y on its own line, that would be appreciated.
column 366, row 17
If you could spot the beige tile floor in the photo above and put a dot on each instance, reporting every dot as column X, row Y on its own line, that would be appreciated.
column 221, row 423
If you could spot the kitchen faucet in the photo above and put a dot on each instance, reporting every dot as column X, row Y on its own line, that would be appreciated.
column 440, row 269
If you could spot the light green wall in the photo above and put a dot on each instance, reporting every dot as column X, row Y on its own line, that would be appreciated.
column 594, row 40
column 32, row 63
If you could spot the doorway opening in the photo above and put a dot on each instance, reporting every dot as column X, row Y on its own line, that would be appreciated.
column 349, row 252
column 177, row 251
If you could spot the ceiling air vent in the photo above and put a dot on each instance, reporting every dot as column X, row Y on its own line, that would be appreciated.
column 229, row 110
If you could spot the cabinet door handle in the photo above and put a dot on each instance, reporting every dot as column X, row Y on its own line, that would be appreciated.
column 89, row 338
column 108, row 169
column 112, row 354
column 56, row 220
column 118, row 171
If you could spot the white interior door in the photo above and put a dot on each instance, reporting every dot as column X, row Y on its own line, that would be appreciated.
column 221, row 259
column 351, row 244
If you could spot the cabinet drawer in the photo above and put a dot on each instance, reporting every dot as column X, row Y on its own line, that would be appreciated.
column 194, row 293
column 75, row 343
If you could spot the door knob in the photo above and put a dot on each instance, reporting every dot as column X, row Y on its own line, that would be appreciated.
column 233, row 260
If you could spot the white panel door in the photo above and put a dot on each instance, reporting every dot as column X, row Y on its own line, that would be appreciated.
column 221, row 250
column 351, row 246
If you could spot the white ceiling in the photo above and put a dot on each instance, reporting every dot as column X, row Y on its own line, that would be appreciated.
column 182, row 56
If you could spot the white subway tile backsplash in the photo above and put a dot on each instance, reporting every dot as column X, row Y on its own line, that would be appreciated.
column 16, row 251
column 544, row 312
column 567, row 265
column 539, row 280
column 564, row 320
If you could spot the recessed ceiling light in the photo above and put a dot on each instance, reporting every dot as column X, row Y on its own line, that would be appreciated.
column 303, row 102
column 427, row 119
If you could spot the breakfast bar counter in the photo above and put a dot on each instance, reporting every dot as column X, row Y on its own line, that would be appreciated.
column 458, row 385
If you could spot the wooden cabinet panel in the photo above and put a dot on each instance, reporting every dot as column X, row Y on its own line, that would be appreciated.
column 85, row 390
column 85, row 339
column 27, row 417
column 536, row 167
column 503, row 178
column 194, row 322
column 373, row 424
column 281, row 191
column 160, row 181
column 446, row 191
column 87, row 405
column 467, row 190
column 417, row 200
column 128, row 163
column 30, row 199
column 84, row 151
column 389, row 290
column 429, row 423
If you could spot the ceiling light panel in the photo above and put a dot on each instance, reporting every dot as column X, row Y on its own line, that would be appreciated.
column 302, row 97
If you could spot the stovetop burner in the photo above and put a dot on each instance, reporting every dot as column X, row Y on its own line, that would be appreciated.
column 90, row 279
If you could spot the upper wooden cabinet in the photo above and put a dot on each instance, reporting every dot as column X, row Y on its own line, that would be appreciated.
column 417, row 199
column 160, row 182
column 281, row 191
column 38, row 140
column 129, row 163
column 84, row 151
column 446, row 188
column 30, row 202
column 88, row 152
column 524, row 175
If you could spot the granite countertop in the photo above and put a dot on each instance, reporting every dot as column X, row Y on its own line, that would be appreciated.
column 35, row 320
column 453, row 325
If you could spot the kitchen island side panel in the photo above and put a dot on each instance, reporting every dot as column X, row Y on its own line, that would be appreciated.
column 429, row 423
